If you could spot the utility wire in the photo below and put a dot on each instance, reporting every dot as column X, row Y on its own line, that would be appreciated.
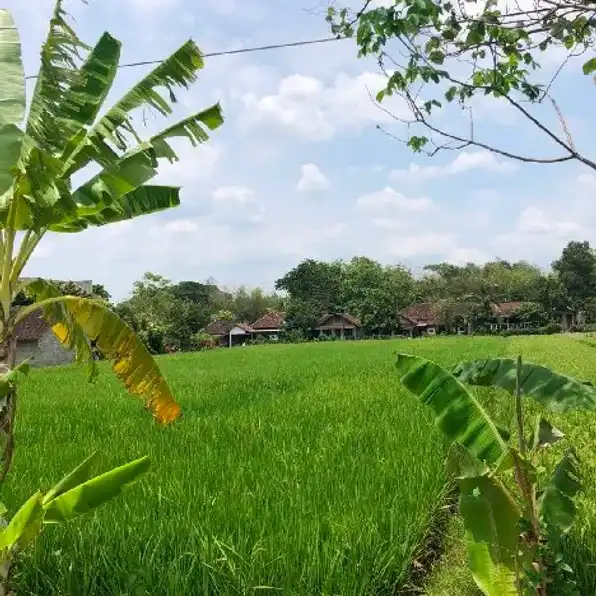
column 291, row 44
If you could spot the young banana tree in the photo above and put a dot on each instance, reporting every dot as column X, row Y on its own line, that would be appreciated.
column 514, row 521
column 66, row 129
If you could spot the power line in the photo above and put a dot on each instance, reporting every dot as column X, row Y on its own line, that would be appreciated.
column 291, row 44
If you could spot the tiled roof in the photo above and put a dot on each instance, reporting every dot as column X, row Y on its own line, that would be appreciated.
column 424, row 313
column 348, row 317
column 272, row 320
column 221, row 327
column 32, row 327
column 504, row 309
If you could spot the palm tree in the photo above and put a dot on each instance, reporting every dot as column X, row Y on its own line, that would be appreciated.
column 62, row 134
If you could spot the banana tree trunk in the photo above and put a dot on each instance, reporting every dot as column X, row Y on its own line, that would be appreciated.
column 8, row 407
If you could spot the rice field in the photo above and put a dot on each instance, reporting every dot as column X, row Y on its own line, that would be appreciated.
column 300, row 469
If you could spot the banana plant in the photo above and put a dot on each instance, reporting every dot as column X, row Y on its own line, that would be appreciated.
column 514, row 520
column 75, row 495
column 66, row 129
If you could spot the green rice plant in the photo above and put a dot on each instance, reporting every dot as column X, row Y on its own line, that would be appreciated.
column 293, row 470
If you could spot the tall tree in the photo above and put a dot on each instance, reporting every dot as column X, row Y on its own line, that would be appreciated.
column 576, row 269
column 376, row 294
column 314, row 288
column 438, row 53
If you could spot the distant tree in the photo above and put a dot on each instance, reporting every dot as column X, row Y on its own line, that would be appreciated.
column 250, row 305
column 223, row 315
column 314, row 288
column 99, row 291
column 576, row 269
column 376, row 294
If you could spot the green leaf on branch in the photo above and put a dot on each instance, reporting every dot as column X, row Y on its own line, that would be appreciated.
column 491, row 520
column 553, row 390
column 457, row 413
column 417, row 143
column 590, row 66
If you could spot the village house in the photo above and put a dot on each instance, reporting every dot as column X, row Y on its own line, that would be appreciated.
column 341, row 325
column 269, row 325
column 427, row 318
column 423, row 318
column 228, row 334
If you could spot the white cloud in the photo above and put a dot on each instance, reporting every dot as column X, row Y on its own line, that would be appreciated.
column 587, row 180
column 312, row 179
column 233, row 194
column 388, row 198
column 445, row 245
column 194, row 164
column 388, row 223
column 182, row 226
column 313, row 111
column 534, row 220
column 237, row 206
column 464, row 162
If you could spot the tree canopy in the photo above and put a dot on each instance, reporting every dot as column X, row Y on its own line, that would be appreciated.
column 438, row 54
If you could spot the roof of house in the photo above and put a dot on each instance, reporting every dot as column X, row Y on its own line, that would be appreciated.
column 346, row 316
column 504, row 309
column 423, row 313
column 272, row 320
column 223, row 327
column 219, row 327
column 32, row 327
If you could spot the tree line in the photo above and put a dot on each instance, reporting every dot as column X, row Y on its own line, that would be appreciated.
column 170, row 316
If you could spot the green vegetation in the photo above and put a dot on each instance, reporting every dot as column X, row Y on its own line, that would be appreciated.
column 296, row 467
column 441, row 56
column 168, row 316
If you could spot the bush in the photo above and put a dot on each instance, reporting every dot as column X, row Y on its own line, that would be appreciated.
column 550, row 329
column 204, row 341
column 292, row 336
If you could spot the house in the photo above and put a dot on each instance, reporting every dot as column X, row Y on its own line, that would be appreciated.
column 269, row 325
column 37, row 342
column 229, row 333
column 504, row 314
column 570, row 318
column 422, row 319
column 342, row 325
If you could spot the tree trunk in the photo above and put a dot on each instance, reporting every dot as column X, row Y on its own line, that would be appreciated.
column 8, row 407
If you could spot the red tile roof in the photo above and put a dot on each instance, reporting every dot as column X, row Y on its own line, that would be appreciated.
column 221, row 327
column 272, row 320
column 504, row 309
column 424, row 313
column 347, row 317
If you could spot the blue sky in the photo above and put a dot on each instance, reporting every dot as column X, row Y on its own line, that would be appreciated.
column 300, row 170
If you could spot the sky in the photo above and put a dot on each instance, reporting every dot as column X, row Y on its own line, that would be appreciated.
column 300, row 170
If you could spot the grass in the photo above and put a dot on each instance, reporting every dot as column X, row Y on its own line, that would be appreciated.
column 295, row 470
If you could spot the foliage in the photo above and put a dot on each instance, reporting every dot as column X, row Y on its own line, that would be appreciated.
column 44, row 158
column 204, row 341
column 576, row 269
column 439, row 55
column 513, row 536
column 75, row 495
column 314, row 289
